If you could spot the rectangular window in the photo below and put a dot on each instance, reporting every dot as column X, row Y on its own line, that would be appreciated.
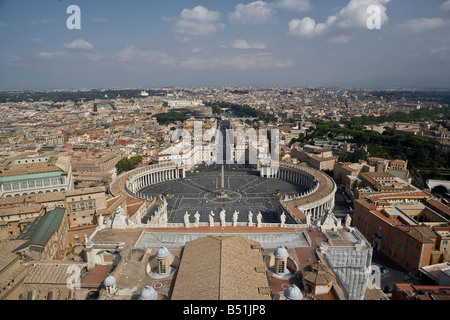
column 162, row 267
column 15, row 186
column 31, row 184
column 38, row 183
column 23, row 185
column 281, row 267
column 7, row 186
column 46, row 182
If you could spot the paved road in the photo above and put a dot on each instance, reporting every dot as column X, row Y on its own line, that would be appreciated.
column 341, row 208
column 393, row 273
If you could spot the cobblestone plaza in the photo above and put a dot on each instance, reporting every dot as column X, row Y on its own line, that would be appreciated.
column 245, row 191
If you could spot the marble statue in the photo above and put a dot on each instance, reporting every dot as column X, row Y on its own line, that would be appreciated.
column 186, row 220
column 308, row 219
column 222, row 217
column 348, row 221
column 250, row 218
column 211, row 219
column 282, row 219
column 259, row 219
column 235, row 218
column 197, row 219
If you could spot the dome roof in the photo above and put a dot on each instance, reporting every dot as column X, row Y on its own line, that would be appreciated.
column 109, row 281
column 163, row 252
column 293, row 293
column 281, row 252
column 148, row 293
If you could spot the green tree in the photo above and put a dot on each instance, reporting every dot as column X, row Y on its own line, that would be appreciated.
column 127, row 164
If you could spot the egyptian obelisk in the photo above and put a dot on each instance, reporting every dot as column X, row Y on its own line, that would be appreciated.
column 222, row 193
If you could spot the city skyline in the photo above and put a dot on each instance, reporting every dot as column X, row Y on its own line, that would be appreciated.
column 216, row 43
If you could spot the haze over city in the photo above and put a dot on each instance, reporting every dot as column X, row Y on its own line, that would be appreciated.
column 256, row 151
column 224, row 43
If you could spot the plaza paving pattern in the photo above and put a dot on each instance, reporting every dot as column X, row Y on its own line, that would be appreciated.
column 246, row 191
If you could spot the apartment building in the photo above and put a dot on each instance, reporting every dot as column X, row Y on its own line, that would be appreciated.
column 394, row 224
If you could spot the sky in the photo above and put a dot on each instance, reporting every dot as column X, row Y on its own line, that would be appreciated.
column 210, row 43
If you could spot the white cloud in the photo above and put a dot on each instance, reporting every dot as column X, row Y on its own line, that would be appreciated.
column 148, row 57
column 254, row 61
column 257, row 12
column 43, row 21
column 99, row 19
column 306, row 27
column 46, row 54
column 341, row 26
column 343, row 38
column 296, row 5
column 36, row 40
column 243, row 44
column 423, row 24
column 15, row 61
column 445, row 6
column 165, row 18
column 78, row 44
column 441, row 54
column 197, row 22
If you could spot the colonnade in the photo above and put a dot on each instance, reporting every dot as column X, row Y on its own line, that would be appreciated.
column 153, row 174
column 290, row 174
column 316, row 201
column 312, row 204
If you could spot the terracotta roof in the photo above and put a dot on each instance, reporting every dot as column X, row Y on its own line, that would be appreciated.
column 393, row 221
column 49, row 272
column 220, row 268
column 318, row 274
column 20, row 210
column 423, row 234
column 297, row 214
column 440, row 206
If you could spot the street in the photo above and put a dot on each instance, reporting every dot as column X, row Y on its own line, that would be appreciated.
column 341, row 207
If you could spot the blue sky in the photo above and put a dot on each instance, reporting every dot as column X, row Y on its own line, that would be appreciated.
column 152, row 43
